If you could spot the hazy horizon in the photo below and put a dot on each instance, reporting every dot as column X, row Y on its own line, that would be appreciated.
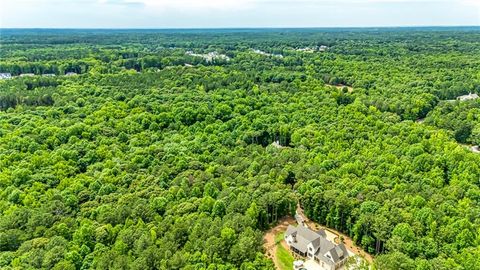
column 226, row 14
column 244, row 28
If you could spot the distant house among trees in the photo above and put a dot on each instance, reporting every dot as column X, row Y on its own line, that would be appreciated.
column 209, row 57
column 313, row 49
column 470, row 96
column 4, row 76
column 314, row 245
column 323, row 48
column 70, row 74
column 277, row 144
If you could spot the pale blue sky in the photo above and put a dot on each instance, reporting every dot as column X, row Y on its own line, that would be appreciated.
column 235, row 13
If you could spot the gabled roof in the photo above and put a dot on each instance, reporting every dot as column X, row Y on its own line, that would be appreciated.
column 316, row 243
column 307, row 233
column 325, row 246
column 304, row 236
column 290, row 230
column 322, row 233
column 339, row 253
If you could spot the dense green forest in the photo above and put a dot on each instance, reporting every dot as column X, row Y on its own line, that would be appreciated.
column 155, row 152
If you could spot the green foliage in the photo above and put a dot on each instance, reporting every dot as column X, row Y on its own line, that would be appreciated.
column 143, row 162
column 284, row 258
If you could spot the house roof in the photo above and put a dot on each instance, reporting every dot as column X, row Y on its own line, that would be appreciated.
column 469, row 96
column 323, row 248
column 322, row 233
column 304, row 236
column 290, row 230
column 339, row 253
column 307, row 233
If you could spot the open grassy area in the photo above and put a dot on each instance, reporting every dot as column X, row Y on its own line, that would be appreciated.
column 279, row 237
column 285, row 259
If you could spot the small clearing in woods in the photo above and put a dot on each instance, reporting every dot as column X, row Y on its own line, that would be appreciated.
column 341, row 86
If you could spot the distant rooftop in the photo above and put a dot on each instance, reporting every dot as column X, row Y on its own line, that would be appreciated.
column 470, row 96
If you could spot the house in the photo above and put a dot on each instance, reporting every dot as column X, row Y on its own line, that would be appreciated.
column 315, row 246
column 470, row 96
column 313, row 49
column 27, row 75
column 323, row 48
column 48, row 75
column 70, row 74
column 267, row 54
column 277, row 144
column 210, row 56
column 4, row 76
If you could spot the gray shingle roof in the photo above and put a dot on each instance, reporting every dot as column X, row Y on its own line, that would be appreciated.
column 304, row 236
column 290, row 230
column 322, row 233
column 340, row 252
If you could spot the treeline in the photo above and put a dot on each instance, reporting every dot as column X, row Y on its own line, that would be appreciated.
column 173, row 167
column 461, row 118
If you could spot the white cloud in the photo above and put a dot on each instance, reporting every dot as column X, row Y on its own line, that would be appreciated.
column 236, row 13
column 187, row 4
column 246, row 4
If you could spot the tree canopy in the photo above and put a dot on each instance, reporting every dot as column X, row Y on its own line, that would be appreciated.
column 149, row 157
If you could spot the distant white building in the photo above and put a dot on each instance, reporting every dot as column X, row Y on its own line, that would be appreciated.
column 48, row 75
column 470, row 96
column 209, row 57
column 313, row 49
column 323, row 48
column 70, row 74
column 5, row 76
column 27, row 75
column 267, row 54
column 277, row 144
